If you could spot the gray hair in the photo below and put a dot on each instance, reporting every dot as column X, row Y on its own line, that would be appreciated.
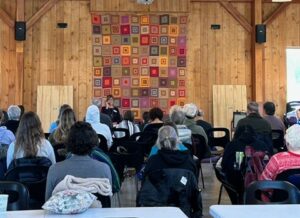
column 177, row 117
column 167, row 138
column 14, row 112
column 252, row 107
column 292, row 138
column 97, row 102
column 190, row 110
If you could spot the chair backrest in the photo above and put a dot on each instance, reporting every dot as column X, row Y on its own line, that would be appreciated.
column 103, row 143
column 278, row 139
column 171, row 187
column 292, row 105
column 254, row 192
column 220, row 141
column 32, row 172
column 199, row 146
column 121, row 130
column 60, row 151
column 18, row 195
column 295, row 180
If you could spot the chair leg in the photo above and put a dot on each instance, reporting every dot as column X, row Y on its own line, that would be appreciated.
column 201, row 172
column 220, row 194
column 136, row 180
column 119, row 199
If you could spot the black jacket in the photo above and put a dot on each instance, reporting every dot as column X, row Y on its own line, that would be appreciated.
column 171, row 159
column 172, row 187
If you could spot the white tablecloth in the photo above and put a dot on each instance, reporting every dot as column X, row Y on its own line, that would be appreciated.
column 255, row 211
column 138, row 212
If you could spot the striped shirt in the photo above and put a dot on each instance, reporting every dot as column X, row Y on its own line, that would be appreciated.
column 280, row 162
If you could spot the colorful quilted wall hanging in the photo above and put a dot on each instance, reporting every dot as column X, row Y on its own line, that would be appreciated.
column 140, row 60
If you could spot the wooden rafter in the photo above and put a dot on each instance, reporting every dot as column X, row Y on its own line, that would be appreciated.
column 276, row 13
column 241, row 1
column 236, row 15
column 38, row 15
column 6, row 18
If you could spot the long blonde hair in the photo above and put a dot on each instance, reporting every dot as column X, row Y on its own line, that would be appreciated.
column 66, row 120
column 29, row 135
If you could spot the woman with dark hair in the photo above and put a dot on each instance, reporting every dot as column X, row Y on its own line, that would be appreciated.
column 30, row 140
column 155, row 122
column 81, row 141
column 244, row 136
column 66, row 120
column 111, row 110
column 54, row 125
column 127, row 123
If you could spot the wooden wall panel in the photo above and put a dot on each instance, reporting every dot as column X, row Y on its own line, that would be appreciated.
column 56, row 56
column 217, row 57
column 226, row 100
column 283, row 32
column 131, row 5
column 9, row 87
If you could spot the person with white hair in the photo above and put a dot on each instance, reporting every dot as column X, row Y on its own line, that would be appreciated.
column 184, row 133
column 168, row 155
column 14, row 113
column 191, row 112
column 285, row 160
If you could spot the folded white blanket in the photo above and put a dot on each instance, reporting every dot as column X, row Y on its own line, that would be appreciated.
column 101, row 186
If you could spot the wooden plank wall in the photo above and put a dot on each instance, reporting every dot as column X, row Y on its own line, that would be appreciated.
column 9, row 90
column 226, row 100
column 56, row 56
column 283, row 32
column 216, row 57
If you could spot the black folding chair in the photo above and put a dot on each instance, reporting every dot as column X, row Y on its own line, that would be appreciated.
column 18, row 195
column 255, row 190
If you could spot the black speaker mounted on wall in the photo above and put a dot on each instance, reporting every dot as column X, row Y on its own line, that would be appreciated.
column 261, row 33
column 20, row 30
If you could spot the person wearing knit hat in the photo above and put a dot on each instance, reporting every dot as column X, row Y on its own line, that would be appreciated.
column 190, row 111
column 283, row 161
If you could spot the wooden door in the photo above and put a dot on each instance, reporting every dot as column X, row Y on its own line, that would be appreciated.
column 49, row 100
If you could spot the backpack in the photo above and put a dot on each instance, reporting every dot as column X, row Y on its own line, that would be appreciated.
column 255, row 162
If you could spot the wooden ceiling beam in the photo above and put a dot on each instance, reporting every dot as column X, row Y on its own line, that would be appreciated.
column 236, row 15
column 6, row 18
column 240, row 1
column 277, row 12
column 39, row 14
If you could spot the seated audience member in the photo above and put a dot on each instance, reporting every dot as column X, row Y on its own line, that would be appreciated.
column 6, row 136
column 127, row 123
column 93, row 117
column 104, row 118
column 184, row 133
column 275, row 122
column 243, row 137
column 261, row 127
column 191, row 111
column 149, row 134
column 54, row 125
column 66, row 120
column 168, row 155
column 298, row 115
column 180, row 146
column 81, row 140
column 30, row 140
column 22, row 108
column 285, row 160
column 145, row 120
column 13, row 121
column 111, row 110
column 201, row 122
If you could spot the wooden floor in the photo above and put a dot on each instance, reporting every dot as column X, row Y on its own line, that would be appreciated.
column 209, row 194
